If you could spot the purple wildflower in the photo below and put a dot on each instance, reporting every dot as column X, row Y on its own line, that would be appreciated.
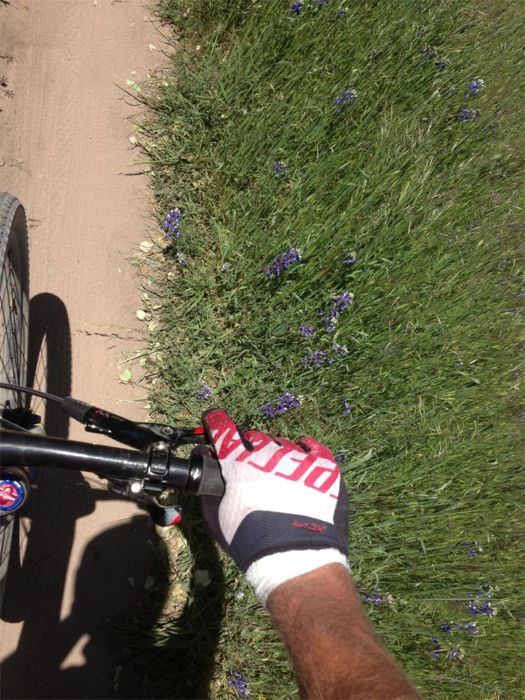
column 455, row 654
column 376, row 597
column 349, row 259
column 474, row 86
column 465, row 114
column 490, row 129
column 282, row 262
column 204, row 393
column 484, row 608
column 307, row 331
column 470, row 548
column 340, row 350
column 318, row 358
column 346, row 99
column 488, row 610
column 286, row 402
column 296, row 7
column 268, row 411
column 347, row 407
column 171, row 223
column 478, row 603
column 339, row 304
column 279, row 168
column 239, row 683
column 468, row 627
column 320, row 3
column 341, row 12
column 427, row 53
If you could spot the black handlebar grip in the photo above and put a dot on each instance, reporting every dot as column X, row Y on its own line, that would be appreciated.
column 211, row 482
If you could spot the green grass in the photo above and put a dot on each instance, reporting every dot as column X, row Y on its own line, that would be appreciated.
column 431, row 208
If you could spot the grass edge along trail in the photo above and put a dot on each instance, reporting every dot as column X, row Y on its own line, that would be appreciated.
column 378, row 149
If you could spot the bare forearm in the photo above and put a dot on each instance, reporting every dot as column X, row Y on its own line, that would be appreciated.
column 334, row 650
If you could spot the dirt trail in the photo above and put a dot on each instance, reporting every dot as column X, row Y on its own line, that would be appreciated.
column 65, row 152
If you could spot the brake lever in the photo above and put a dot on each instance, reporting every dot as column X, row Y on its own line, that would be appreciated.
column 138, row 435
column 192, row 436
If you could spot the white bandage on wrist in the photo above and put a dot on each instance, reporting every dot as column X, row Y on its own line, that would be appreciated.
column 267, row 573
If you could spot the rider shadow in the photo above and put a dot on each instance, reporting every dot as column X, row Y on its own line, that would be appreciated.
column 64, row 649
column 182, row 666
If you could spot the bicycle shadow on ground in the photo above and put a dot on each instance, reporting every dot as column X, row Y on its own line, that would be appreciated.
column 65, row 650
column 173, row 656
column 37, row 595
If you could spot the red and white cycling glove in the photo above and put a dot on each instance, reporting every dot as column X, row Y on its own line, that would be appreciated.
column 285, row 507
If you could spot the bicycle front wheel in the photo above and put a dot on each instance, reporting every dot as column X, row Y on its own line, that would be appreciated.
column 14, row 329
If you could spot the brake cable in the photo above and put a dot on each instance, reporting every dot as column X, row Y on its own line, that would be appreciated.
column 34, row 392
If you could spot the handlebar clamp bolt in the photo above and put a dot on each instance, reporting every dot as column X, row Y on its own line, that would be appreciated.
column 135, row 487
column 166, row 430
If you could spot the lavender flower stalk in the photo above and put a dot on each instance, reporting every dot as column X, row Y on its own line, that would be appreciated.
column 474, row 86
column 286, row 402
column 204, row 393
column 376, row 597
column 465, row 114
column 340, row 350
column 171, row 223
column 282, row 262
column 471, row 548
column 318, row 358
column 427, row 53
column 345, row 100
column 239, row 683
column 455, row 654
column 339, row 304
column 279, row 168
column 347, row 407
column 306, row 331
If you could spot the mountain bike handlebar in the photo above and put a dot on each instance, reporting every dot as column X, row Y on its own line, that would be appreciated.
column 149, row 472
column 156, row 468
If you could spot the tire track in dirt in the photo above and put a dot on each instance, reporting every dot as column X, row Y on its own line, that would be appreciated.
column 64, row 152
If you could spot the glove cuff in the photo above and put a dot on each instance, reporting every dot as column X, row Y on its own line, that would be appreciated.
column 267, row 573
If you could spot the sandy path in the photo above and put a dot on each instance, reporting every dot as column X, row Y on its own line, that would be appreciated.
column 64, row 151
